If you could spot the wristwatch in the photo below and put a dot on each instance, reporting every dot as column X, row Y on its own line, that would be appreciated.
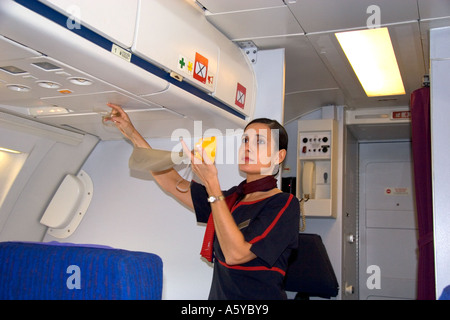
column 212, row 199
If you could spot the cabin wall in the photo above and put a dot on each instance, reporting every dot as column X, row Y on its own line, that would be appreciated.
column 51, row 153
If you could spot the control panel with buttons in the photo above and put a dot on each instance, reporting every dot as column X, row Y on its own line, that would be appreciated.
column 317, row 167
column 315, row 145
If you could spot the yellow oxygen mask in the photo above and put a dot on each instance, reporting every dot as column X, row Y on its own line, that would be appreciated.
column 209, row 145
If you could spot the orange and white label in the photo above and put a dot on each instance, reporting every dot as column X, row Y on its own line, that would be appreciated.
column 200, row 68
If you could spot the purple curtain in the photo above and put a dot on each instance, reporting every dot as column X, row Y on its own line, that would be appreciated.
column 421, row 148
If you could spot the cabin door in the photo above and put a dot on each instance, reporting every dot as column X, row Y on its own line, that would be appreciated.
column 387, row 222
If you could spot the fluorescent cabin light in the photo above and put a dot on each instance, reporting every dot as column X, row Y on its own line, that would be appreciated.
column 372, row 57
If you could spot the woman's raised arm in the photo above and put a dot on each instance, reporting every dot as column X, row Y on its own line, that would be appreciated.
column 168, row 179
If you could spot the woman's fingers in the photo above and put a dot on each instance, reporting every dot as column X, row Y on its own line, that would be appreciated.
column 186, row 150
column 118, row 111
column 121, row 120
column 204, row 155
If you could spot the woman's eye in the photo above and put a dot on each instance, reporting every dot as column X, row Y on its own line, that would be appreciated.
column 261, row 141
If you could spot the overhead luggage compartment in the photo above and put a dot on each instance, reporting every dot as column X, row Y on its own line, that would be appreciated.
column 160, row 59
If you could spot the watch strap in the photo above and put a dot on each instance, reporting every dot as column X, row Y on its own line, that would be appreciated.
column 212, row 199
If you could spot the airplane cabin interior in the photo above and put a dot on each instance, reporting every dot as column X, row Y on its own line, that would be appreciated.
column 361, row 87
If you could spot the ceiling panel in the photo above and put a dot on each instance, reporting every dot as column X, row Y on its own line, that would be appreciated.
column 432, row 9
column 298, row 104
column 317, row 71
column 326, row 15
column 408, row 48
column 306, row 70
column 215, row 6
column 258, row 23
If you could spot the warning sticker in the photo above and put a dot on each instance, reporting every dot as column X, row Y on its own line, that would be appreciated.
column 396, row 115
column 210, row 81
column 398, row 191
column 200, row 68
column 185, row 65
column 241, row 91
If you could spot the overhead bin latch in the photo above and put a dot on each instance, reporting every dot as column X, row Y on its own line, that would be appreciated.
column 250, row 49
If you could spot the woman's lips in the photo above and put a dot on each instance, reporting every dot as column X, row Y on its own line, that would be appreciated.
column 246, row 160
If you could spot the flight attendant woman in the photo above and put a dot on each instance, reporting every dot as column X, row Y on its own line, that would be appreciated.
column 251, row 228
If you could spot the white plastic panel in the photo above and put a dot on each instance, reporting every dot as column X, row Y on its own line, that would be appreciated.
column 236, row 83
column 69, row 205
column 74, row 50
column 176, row 36
column 196, row 109
column 254, row 24
column 150, row 123
column 317, row 144
column 10, row 50
column 62, row 85
column 113, row 19
column 64, row 204
column 220, row 6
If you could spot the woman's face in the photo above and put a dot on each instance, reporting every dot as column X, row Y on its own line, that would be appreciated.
column 258, row 153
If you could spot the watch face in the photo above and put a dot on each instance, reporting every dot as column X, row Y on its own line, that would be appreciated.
column 211, row 199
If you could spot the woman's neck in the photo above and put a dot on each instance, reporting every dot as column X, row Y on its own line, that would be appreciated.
column 254, row 177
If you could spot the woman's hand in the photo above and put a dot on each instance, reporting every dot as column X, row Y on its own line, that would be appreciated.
column 123, row 123
column 121, row 120
column 204, row 169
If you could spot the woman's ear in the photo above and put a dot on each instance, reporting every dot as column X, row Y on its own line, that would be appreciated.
column 281, row 156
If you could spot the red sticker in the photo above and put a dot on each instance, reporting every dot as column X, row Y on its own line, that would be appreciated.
column 200, row 68
column 241, row 91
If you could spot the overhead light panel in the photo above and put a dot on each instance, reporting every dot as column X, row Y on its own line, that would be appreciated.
column 372, row 57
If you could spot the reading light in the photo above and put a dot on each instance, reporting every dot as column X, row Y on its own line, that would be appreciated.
column 372, row 57
column 47, row 110
column 80, row 81
column 10, row 150
column 18, row 88
column 49, row 84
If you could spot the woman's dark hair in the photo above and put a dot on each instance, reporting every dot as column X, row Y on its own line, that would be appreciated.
column 273, row 125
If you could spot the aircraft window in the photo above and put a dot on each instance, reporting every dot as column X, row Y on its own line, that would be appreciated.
column 11, row 162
